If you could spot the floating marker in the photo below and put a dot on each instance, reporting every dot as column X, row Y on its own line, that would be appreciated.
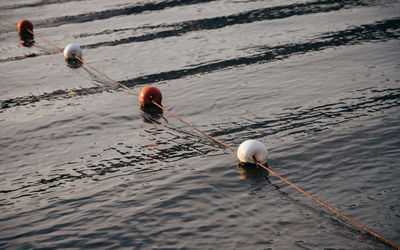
column 149, row 94
column 24, row 26
column 71, row 51
column 251, row 150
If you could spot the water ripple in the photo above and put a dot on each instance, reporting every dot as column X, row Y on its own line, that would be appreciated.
column 377, row 32
column 109, row 13
column 269, row 13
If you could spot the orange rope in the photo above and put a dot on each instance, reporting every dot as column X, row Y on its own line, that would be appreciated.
column 82, row 61
column 47, row 41
column 227, row 146
column 33, row 33
column 8, row 21
column 195, row 128
column 106, row 76
column 329, row 207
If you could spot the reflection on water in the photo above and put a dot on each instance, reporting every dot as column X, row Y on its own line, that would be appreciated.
column 151, row 113
column 26, row 39
column 73, row 63
column 251, row 171
column 29, row 55
column 27, row 43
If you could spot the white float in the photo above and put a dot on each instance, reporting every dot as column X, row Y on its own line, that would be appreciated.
column 251, row 149
column 72, row 50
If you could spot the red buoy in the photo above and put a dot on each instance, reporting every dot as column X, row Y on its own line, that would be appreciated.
column 24, row 26
column 149, row 94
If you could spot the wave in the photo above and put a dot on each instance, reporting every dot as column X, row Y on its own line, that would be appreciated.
column 180, row 28
column 317, row 118
column 37, row 4
column 270, row 13
column 377, row 32
column 109, row 13
column 178, row 143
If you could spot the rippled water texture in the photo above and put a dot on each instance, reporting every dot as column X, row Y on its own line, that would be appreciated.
column 83, row 166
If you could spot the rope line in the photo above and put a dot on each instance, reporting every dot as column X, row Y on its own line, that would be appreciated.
column 45, row 40
column 106, row 76
column 79, row 59
column 194, row 127
column 223, row 144
column 8, row 21
column 84, row 62
column 329, row 207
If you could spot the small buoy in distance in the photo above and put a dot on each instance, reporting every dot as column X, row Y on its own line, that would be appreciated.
column 71, row 51
column 252, row 151
column 24, row 26
column 149, row 94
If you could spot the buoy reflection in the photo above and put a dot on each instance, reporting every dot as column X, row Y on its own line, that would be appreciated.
column 26, row 39
column 73, row 63
column 251, row 171
column 150, row 113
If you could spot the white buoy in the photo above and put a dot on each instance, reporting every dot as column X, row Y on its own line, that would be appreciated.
column 72, row 50
column 251, row 149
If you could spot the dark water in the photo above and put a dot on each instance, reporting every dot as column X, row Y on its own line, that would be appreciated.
column 317, row 81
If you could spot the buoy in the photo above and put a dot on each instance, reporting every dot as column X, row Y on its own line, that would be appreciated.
column 71, row 51
column 24, row 26
column 149, row 94
column 251, row 150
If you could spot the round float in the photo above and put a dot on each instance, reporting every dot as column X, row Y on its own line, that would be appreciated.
column 72, row 50
column 149, row 94
column 252, row 151
column 24, row 26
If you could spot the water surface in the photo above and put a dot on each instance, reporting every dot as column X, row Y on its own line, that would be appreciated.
column 318, row 82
